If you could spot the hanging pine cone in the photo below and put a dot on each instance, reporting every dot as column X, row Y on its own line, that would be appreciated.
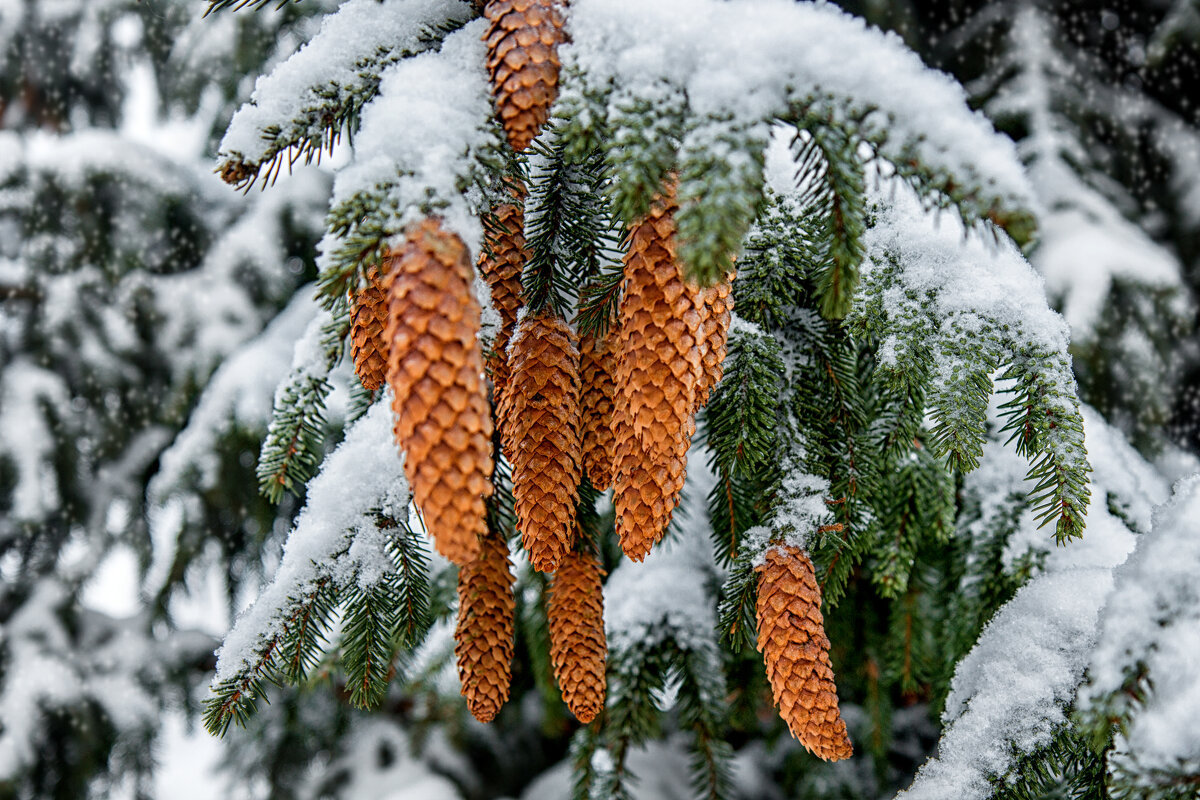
column 483, row 638
column 659, row 367
column 791, row 637
column 597, row 368
column 546, row 432
column 435, row 369
column 368, row 346
column 522, row 43
column 501, row 264
column 575, row 611
column 716, row 310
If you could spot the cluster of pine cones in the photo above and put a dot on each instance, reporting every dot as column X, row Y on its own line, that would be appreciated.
column 620, row 409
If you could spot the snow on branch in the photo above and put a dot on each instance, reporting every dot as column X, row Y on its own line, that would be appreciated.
column 336, row 542
column 1144, row 670
column 956, row 308
column 416, row 154
column 755, row 61
column 1012, row 693
column 304, row 104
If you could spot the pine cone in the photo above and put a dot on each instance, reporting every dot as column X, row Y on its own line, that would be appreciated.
column 716, row 310
column 659, row 368
column 791, row 637
column 598, row 368
column 483, row 638
column 522, row 58
column 575, row 610
column 501, row 263
column 368, row 345
column 435, row 369
column 546, row 432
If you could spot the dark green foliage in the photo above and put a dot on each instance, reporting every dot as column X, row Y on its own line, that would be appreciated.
column 570, row 233
column 292, row 449
column 643, row 151
column 1067, row 767
column 744, row 411
column 720, row 195
column 840, row 195
column 638, row 671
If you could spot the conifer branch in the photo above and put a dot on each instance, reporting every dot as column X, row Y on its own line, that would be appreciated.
column 291, row 450
column 840, row 196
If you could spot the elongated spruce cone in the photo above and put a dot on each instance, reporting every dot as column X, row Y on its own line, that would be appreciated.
column 598, row 371
column 435, row 369
column 791, row 637
column 544, row 393
column 501, row 263
column 368, row 345
column 483, row 638
column 659, row 367
column 578, row 649
column 716, row 311
column 522, row 42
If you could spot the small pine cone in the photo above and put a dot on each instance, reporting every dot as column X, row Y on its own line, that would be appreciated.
column 368, row 345
column 598, row 368
column 575, row 611
column 435, row 369
column 544, row 393
column 791, row 637
column 522, row 42
column 659, row 368
column 717, row 313
column 483, row 638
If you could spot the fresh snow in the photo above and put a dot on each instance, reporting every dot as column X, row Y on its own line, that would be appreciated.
column 363, row 475
column 1011, row 692
column 748, row 60
column 334, row 67
column 1153, row 619
column 419, row 140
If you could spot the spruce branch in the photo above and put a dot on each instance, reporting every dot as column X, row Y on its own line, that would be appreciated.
column 720, row 194
column 291, row 450
column 571, row 235
column 368, row 643
column 839, row 193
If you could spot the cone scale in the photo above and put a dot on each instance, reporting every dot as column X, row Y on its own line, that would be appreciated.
column 597, row 370
column 522, row 60
column 658, row 372
column 368, row 322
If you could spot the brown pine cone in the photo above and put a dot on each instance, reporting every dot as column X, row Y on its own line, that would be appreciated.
column 522, row 42
column 435, row 369
column 791, row 637
column 659, row 368
column 717, row 312
column 544, row 392
column 501, row 262
column 368, row 345
column 483, row 638
column 575, row 611
column 598, row 368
